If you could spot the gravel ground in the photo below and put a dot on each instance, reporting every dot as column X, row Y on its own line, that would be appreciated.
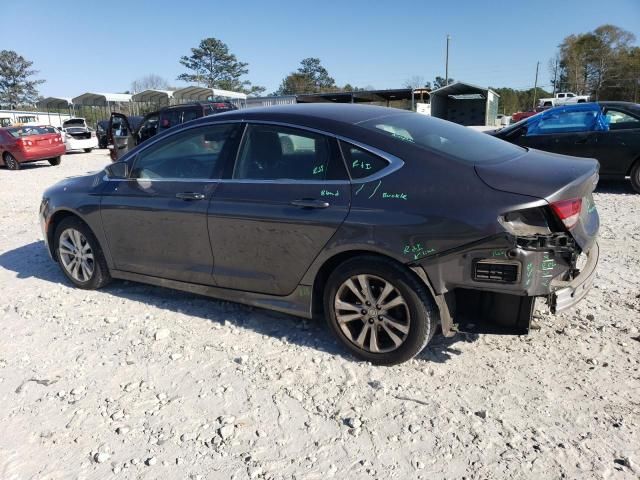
column 134, row 381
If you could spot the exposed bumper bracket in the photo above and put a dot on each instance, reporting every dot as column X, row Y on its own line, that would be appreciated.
column 567, row 293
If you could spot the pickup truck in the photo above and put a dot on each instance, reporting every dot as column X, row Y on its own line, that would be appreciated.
column 563, row 98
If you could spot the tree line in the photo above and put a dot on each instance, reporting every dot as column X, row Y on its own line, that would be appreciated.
column 604, row 63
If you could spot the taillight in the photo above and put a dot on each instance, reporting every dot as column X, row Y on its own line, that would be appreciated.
column 568, row 211
column 24, row 142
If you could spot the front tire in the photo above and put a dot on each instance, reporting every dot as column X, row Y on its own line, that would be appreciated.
column 378, row 310
column 79, row 255
column 55, row 161
column 88, row 150
column 635, row 176
column 11, row 162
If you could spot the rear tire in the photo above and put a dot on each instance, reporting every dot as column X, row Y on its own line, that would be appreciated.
column 55, row 161
column 88, row 150
column 79, row 254
column 635, row 176
column 392, row 328
column 11, row 162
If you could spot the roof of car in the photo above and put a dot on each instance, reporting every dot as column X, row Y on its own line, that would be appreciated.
column 628, row 105
column 339, row 112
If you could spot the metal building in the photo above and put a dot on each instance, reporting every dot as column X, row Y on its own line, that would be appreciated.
column 465, row 104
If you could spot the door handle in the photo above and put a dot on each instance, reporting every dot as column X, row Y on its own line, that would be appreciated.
column 309, row 203
column 190, row 196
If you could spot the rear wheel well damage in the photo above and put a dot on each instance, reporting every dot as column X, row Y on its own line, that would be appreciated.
column 332, row 263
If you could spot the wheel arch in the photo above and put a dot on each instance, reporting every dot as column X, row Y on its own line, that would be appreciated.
column 331, row 263
column 53, row 223
column 633, row 164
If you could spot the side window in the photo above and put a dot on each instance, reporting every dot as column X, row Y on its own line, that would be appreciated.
column 190, row 114
column 570, row 95
column 272, row 152
column 170, row 118
column 561, row 95
column 197, row 153
column 618, row 120
column 361, row 163
column 565, row 122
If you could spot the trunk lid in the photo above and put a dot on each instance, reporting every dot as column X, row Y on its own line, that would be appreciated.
column 553, row 178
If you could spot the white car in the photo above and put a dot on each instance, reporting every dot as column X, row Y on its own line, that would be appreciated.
column 78, row 136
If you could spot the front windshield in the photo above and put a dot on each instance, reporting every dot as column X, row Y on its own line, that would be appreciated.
column 444, row 137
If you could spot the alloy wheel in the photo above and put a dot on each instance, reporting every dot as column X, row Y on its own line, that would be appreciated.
column 372, row 313
column 76, row 255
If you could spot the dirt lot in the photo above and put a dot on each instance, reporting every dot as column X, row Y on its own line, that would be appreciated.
column 141, row 382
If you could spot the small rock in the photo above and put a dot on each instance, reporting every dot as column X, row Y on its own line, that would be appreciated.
column 150, row 462
column 175, row 356
column 101, row 457
column 226, row 419
column 117, row 415
column 419, row 465
column 162, row 334
column 353, row 422
column 590, row 317
column 414, row 428
column 179, row 461
column 135, row 461
column 122, row 430
column 481, row 413
column 241, row 360
column 226, row 431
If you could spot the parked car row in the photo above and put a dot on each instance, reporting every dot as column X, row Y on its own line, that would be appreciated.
column 125, row 132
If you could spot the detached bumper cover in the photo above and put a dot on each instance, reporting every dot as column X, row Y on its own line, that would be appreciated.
column 567, row 293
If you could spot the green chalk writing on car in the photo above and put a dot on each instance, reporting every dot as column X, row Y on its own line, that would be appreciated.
column 401, row 196
column 317, row 170
column 499, row 253
column 361, row 164
column 417, row 250
column 329, row 193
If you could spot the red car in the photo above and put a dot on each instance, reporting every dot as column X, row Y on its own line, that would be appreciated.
column 25, row 144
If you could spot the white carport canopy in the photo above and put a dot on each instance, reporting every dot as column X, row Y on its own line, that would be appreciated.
column 91, row 99
column 195, row 94
column 54, row 102
column 154, row 96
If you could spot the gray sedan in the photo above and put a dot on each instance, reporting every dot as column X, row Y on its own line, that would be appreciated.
column 390, row 224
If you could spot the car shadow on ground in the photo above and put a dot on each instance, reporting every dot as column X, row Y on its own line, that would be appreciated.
column 32, row 261
column 29, row 166
column 615, row 186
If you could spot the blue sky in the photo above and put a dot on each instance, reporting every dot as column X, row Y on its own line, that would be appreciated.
column 104, row 46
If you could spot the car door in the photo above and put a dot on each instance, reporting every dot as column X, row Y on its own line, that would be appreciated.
column 618, row 146
column 155, row 220
column 566, row 131
column 148, row 127
column 121, row 136
column 288, row 194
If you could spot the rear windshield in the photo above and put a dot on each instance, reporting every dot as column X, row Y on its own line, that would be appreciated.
column 30, row 130
column 74, row 122
column 444, row 137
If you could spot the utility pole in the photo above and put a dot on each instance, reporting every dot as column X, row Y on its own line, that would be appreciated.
column 555, row 77
column 446, row 67
column 535, row 87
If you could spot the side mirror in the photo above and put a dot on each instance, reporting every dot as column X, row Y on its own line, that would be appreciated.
column 117, row 170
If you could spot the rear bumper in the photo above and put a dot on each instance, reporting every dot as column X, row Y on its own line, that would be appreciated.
column 40, row 153
column 81, row 143
column 565, row 294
